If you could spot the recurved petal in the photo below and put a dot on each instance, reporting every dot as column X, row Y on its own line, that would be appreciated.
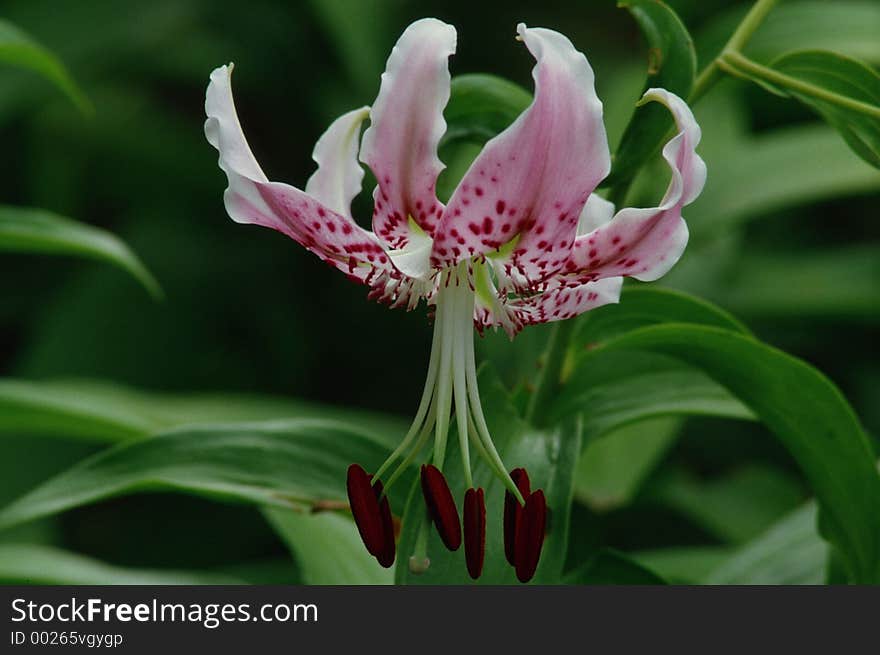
column 338, row 178
column 558, row 302
column 645, row 243
column 223, row 130
column 406, row 124
column 312, row 222
column 531, row 181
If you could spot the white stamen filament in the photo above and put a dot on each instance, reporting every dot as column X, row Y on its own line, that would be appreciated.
column 446, row 310
column 424, row 405
column 452, row 377
column 464, row 327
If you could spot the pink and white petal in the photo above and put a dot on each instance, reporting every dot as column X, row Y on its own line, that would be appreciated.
column 223, row 130
column 494, row 316
column 531, row 182
column 414, row 259
column 329, row 235
column 596, row 213
column 492, row 309
column 558, row 303
column 338, row 178
column 400, row 146
column 251, row 198
column 645, row 243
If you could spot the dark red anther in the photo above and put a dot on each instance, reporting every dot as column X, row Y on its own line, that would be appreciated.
column 365, row 510
column 513, row 510
column 530, row 535
column 386, row 555
column 474, row 519
column 441, row 506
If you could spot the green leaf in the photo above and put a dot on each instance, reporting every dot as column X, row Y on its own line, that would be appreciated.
column 839, row 283
column 19, row 49
column 809, row 416
column 36, row 408
column 649, row 305
column 39, row 564
column 775, row 171
column 291, row 464
column 106, row 412
column 735, row 507
column 682, row 565
column 672, row 65
column 39, row 231
column 790, row 552
column 845, row 78
column 550, row 457
column 327, row 548
column 610, row 567
column 480, row 106
column 614, row 389
column 519, row 361
column 612, row 468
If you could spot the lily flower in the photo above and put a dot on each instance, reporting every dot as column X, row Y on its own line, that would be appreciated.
column 522, row 240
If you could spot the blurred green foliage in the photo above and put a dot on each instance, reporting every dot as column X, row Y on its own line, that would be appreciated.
column 784, row 236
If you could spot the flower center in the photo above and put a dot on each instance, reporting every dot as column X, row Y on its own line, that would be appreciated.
column 451, row 384
column 451, row 391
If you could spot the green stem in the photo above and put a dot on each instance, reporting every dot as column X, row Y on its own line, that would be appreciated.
column 709, row 75
column 707, row 78
column 750, row 23
column 548, row 383
column 741, row 66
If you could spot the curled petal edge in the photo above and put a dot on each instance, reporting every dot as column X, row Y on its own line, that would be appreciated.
column 320, row 222
column 645, row 243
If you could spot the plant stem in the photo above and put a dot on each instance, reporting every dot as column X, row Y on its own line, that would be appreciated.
column 709, row 75
column 750, row 23
column 741, row 66
column 548, row 383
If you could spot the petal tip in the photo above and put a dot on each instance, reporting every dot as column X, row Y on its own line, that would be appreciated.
column 222, row 74
column 436, row 26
